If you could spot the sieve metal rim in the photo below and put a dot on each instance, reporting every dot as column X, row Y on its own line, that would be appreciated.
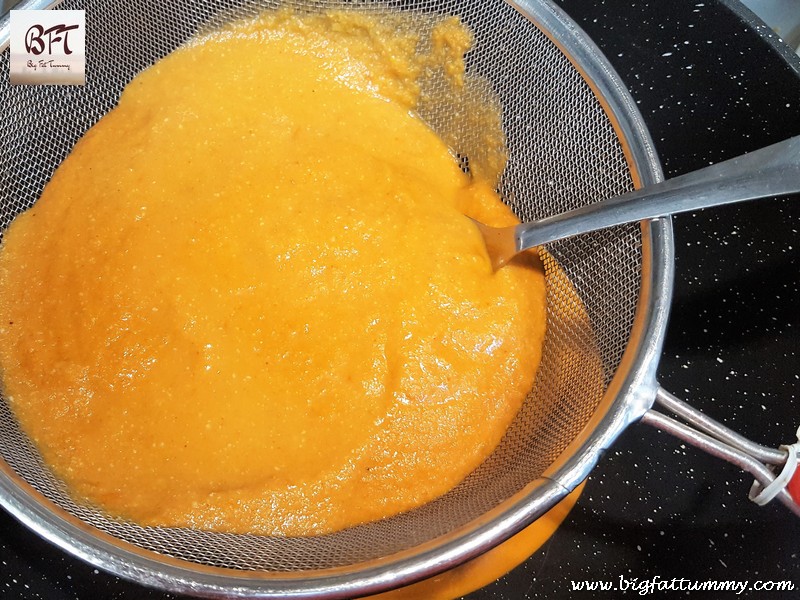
column 631, row 393
column 632, row 390
column 5, row 20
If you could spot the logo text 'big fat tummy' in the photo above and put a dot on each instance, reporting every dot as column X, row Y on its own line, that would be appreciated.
column 48, row 47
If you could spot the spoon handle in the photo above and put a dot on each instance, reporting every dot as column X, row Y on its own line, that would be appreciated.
column 768, row 172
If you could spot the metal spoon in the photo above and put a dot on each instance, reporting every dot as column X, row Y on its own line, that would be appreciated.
column 768, row 172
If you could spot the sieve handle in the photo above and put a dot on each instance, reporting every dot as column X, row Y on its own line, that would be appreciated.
column 769, row 172
column 713, row 437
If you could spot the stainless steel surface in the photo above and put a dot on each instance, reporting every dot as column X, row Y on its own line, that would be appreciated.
column 21, row 5
column 569, row 125
column 719, row 441
column 703, row 422
column 766, row 173
column 783, row 16
column 714, row 447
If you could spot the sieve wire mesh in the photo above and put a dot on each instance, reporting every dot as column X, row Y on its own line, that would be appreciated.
column 563, row 152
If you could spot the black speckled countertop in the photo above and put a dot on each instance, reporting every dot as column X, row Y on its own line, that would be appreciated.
column 711, row 82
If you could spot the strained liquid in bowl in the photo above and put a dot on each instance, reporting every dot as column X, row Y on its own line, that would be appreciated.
column 250, row 300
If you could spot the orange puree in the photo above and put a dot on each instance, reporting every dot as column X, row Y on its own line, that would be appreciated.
column 249, row 300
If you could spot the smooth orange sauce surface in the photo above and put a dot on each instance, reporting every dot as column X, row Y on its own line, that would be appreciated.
column 250, row 301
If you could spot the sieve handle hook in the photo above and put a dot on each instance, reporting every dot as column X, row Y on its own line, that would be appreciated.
column 776, row 471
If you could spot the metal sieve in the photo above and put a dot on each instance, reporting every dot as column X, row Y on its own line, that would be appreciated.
column 573, row 136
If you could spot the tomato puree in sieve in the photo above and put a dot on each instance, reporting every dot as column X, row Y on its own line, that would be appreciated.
column 250, row 300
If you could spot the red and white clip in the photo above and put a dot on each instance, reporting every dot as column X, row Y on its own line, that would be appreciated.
column 788, row 478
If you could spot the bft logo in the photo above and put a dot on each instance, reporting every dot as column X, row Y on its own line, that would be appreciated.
column 57, row 35
column 48, row 47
